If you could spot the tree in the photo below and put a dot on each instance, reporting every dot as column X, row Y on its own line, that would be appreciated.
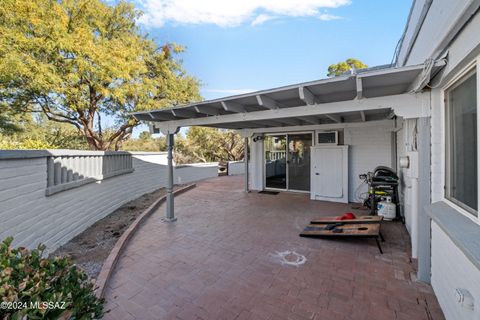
column 7, row 122
column 199, row 145
column 145, row 142
column 344, row 66
column 210, row 144
column 35, row 131
column 81, row 61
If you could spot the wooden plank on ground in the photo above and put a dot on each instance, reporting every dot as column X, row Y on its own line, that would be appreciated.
column 349, row 230
column 359, row 219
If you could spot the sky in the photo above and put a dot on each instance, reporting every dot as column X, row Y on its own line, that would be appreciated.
column 234, row 47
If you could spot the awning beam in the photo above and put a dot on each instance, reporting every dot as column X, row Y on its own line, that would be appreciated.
column 359, row 88
column 335, row 118
column 306, row 96
column 310, row 120
column 233, row 106
column 267, row 102
column 184, row 113
column 211, row 111
column 363, row 116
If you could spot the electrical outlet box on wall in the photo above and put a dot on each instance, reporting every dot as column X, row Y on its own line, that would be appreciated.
column 413, row 165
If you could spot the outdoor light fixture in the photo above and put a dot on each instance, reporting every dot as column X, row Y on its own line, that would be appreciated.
column 258, row 138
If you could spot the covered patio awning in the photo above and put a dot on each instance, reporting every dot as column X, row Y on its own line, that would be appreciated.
column 347, row 98
column 368, row 95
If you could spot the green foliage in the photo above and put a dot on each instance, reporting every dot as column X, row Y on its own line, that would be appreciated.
column 39, row 133
column 209, row 144
column 145, row 142
column 344, row 66
column 7, row 143
column 200, row 145
column 7, row 124
column 80, row 60
column 27, row 278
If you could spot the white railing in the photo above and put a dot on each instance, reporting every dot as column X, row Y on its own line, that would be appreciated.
column 276, row 155
column 73, row 169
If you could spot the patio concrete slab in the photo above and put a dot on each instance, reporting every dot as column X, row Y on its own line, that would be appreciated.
column 232, row 255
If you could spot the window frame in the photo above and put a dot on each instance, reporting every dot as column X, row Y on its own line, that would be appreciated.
column 459, row 79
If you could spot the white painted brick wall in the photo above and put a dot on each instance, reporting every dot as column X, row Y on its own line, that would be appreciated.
column 369, row 147
column 438, row 146
column 451, row 269
column 32, row 218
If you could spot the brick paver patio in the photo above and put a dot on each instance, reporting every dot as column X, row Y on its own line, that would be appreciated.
column 220, row 261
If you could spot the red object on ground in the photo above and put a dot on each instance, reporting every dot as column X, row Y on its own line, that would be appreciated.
column 347, row 216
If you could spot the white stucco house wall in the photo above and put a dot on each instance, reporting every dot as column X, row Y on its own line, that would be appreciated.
column 418, row 116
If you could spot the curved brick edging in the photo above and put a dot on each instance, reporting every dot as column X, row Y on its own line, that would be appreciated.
column 112, row 259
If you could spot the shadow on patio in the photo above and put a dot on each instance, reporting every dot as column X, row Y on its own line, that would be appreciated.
column 218, row 262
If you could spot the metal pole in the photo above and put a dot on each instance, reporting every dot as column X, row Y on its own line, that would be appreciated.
column 170, row 214
column 245, row 160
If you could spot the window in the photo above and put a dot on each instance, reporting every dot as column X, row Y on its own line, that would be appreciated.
column 461, row 138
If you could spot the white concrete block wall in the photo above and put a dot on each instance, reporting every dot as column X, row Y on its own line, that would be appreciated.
column 195, row 172
column 451, row 269
column 236, row 168
column 32, row 218
column 369, row 147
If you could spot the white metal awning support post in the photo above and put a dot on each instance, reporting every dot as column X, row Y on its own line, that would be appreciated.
column 170, row 211
column 245, row 160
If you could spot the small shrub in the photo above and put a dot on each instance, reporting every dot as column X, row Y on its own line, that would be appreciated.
column 34, row 287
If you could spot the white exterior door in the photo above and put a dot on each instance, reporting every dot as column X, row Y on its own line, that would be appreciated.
column 329, row 180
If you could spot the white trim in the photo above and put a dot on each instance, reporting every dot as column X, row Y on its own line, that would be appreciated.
column 477, row 67
column 461, row 210
column 459, row 75
column 473, row 66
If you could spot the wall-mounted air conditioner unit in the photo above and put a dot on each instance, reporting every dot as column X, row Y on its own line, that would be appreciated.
column 327, row 137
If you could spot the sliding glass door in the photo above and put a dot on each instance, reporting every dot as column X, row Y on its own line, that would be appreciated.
column 299, row 161
column 276, row 162
column 287, row 161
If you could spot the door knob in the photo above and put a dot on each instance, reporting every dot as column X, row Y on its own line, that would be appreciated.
column 317, row 174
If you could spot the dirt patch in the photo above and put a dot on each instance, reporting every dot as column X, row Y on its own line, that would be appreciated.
column 91, row 248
